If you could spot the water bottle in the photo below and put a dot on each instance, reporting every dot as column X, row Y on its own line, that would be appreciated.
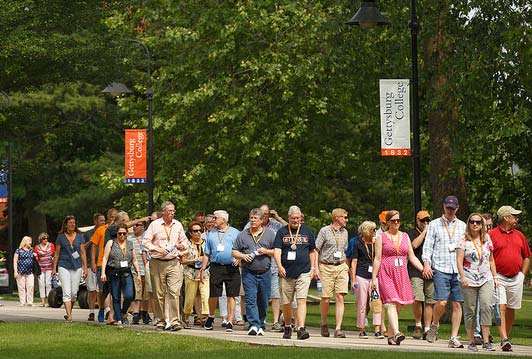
column 318, row 285
column 353, row 290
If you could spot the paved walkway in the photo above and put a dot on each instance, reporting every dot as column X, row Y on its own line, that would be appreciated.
column 10, row 312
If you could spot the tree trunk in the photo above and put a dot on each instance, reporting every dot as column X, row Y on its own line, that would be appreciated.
column 446, row 176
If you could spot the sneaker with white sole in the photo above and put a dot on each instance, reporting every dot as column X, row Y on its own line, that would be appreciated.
column 432, row 334
column 472, row 347
column 209, row 323
column 229, row 327
column 260, row 333
column 277, row 327
column 488, row 347
column 455, row 343
column 253, row 331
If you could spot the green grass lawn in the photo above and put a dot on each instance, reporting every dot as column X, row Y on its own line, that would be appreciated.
column 77, row 340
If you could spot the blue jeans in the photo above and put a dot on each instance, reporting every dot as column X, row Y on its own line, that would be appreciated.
column 257, row 288
column 122, row 284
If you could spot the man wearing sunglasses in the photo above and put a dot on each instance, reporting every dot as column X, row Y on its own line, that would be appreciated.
column 439, row 257
column 423, row 288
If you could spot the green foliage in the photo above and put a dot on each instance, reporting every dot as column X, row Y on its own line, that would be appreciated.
column 259, row 101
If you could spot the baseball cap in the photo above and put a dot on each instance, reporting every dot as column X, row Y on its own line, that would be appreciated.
column 422, row 214
column 451, row 201
column 506, row 211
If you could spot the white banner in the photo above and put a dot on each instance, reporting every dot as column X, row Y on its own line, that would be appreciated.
column 395, row 117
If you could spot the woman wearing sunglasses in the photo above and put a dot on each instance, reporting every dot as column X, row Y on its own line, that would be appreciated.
column 390, row 274
column 476, row 267
column 192, row 273
column 45, row 252
column 118, row 258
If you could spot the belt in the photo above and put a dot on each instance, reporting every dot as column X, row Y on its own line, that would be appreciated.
column 163, row 260
column 257, row 271
column 222, row 265
column 332, row 264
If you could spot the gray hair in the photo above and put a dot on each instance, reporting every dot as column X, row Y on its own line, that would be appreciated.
column 256, row 212
column 293, row 209
column 223, row 214
column 166, row 204
column 121, row 217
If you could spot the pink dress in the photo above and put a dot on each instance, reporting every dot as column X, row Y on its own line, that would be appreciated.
column 394, row 283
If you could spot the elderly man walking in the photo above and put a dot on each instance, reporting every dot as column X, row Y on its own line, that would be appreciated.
column 333, row 270
column 295, row 255
column 165, row 240
column 223, row 267
column 254, row 247
column 512, row 260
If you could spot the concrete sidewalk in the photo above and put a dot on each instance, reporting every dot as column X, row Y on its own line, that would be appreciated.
column 11, row 312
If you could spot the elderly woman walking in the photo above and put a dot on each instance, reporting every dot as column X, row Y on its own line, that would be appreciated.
column 23, row 271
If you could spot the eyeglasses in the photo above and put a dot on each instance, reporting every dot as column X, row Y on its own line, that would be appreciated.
column 395, row 221
column 196, row 231
column 425, row 220
column 471, row 221
column 43, row 238
column 121, row 233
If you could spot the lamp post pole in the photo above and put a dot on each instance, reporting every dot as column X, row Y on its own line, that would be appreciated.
column 413, row 24
column 149, row 95
column 369, row 16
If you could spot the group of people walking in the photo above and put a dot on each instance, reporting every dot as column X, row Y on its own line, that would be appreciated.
column 274, row 261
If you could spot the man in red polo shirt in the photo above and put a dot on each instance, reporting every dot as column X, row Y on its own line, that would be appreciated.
column 512, row 259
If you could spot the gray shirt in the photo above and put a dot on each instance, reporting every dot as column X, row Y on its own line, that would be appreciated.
column 331, row 245
column 246, row 244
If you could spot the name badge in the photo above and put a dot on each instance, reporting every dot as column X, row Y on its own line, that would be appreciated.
column 398, row 262
column 220, row 248
column 452, row 247
column 123, row 264
column 291, row 256
column 370, row 269
column 75, row 255
column 337, row 255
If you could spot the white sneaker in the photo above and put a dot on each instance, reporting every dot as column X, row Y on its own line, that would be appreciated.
column 260, row 332
column 253, row 331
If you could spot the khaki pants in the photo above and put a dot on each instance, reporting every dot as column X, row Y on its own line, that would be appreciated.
column 166, row 280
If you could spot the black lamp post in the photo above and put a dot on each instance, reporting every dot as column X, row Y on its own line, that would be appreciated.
column 369, row 16
column 117, row 89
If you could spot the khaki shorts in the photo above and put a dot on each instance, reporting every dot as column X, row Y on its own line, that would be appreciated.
column 510, row 290
column 423, row 290
column 334, row 279
column 91, row 281
column 298, row 286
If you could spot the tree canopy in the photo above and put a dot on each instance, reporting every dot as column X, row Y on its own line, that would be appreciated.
column 264, row 101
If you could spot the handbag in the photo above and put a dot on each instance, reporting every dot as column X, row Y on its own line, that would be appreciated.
column 36, row 267
column 376, row 302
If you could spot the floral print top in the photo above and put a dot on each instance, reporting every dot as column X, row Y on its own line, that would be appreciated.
column 476, row 261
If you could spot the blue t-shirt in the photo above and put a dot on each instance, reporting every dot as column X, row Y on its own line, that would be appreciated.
column 25, row 261
column 245, row 243
column 350, row 245
column 70, row 256
column 226, row 239
column 305, row 243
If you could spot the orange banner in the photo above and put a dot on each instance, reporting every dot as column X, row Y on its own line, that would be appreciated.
column 135, row 156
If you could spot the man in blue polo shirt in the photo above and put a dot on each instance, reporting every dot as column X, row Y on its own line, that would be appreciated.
column 223, row 267
column 254, row 247
column 295, row 254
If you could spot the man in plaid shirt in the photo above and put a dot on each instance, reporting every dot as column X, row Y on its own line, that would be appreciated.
column 439, row 259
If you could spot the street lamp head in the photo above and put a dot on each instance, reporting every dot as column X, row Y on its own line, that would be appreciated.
column 368, row 15
column 116, row 89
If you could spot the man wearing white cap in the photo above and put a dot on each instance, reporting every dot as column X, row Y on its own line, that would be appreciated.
column 512, row 259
